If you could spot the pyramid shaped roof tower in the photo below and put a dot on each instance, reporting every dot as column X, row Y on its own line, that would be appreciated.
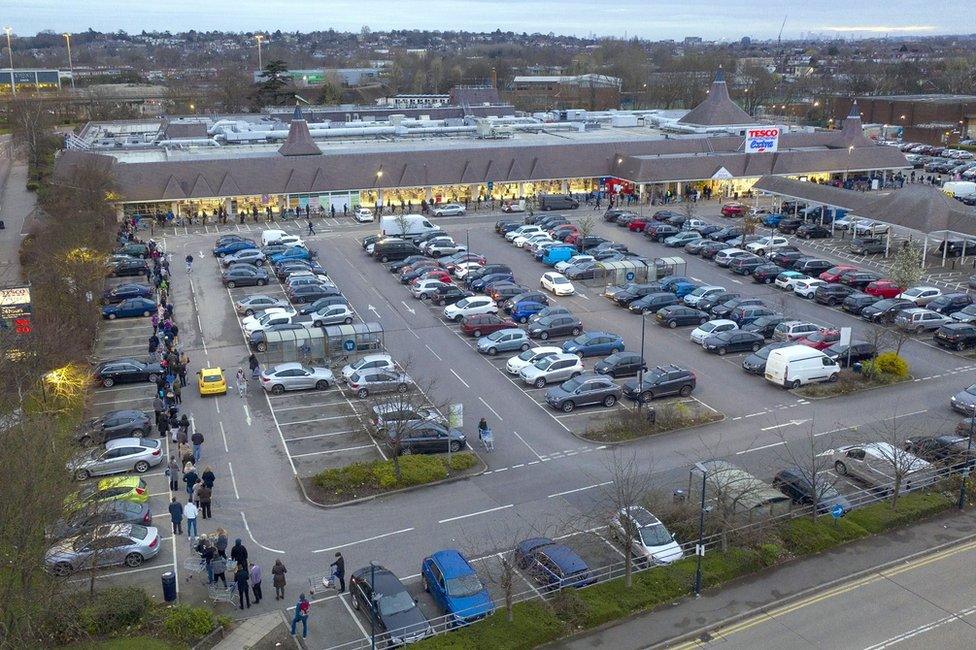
column 717, row 109
column 299, row 141
column 851, row 132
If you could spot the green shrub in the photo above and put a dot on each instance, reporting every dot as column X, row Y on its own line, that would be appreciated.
column 461, row 462
column 887, row 366
column 805, row 537
column 380, row 475
column 114, row 609
column 185, row 624
column 33, row 186
column 769, row 554
column 533, row 624
column 414, row 470
column 879, row 517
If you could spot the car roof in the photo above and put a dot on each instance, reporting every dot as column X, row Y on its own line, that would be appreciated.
column 286, row 366
column 126, row 442
column 118, row 481
column 452, row 563
column 564, row 557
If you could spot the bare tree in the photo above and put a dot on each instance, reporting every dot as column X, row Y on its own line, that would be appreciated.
column 585, row 228
column 807, row 462
column 887, row 460
column 907, row 266
column 630, row 482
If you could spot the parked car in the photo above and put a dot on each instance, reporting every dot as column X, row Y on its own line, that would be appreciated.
column 793, row 330
column 765, row 325
column 470, row 306
column 244, row 276
column 806, row 288
column 693, row 298
column 745, row 265
column 652, row 302
column 529, row 357
column 883, row 289
column 715, row 326
column 857, row 301
column 378, row 380
column 868, row 245
column 919, row 319
column 855, row 352
column 956, row 336
column 885, row 311
column 821, row 339
column 555, row 325
column 952, row 452
column 503, row 340
column 660, row 381
column 765, row 245
column 106, row 545
column 831, row 294
column 950, row 303
column 230, row 247
column 723, row 310
column 550, row 565
column 477, row 325
column 732, row 341
column 766, row 273
column 125, row 423
column 455, row 586
column 583, row 390
column 246, row 256
column 257, row 302
column 675, row 315
column 755, row 363
column 787, row 279
column 650, row 540
column 368, row 362
column 130, row 308
column 813, row 231
column 295, row 376
column 128, row 267
column 859, row 280
column 126, row 371
column 557, row 283
column 594, row 343
column 555, row 368
column 818, row 491
column 426, row 436
column 118, row 455
column 812, row 266
column 127, row 291
column 620, row 364
column 875, row 463
column 921, row 296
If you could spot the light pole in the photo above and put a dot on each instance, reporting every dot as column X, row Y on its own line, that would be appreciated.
column 372, row 605
column 968, row 467
column 10, row 53
column 259, row 38
column 71, row 67
column 700, row 546
column 640, row 372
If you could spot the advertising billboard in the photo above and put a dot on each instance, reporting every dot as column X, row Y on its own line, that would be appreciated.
column 762, row 140
column 15, row 309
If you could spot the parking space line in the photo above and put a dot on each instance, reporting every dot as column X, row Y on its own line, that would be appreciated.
column 465, row 384
column 482, row 400
column 331, row 417
column 322, row 435
column 434, row 353
column 610, row 544
column 588, row 487
column 534, row 452
column 222, row 434
column 233, row 481
column 330, row 451
column 363, row 541
column 282, row 409
column 99, row 576
column 475, row 514
column 353, row 615
column 249, row 534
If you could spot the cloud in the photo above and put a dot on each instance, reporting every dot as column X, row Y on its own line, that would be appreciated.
column 883, row 29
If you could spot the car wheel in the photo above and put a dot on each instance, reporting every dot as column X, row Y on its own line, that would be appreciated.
column 231, row 284
column 262, row 347
column 87, row 440
column 133, row 560
column 348, row 320
column 458, row 318
column 833, row 377
column 722, row 352
column 477, row 334
column 672, row 324
column 567, row 407
column 355, row 604
column 322, row 384
column 262, row 282
column 768, row 280
column 111, row 316
column 423, row 296
column 524, row 347
column 146, row 314
column 609, row 401
column 402, row 388
column 796, row 383
column 362, row 393
column 61, row 569
column 82, row 475
column 645, row 397
column 841, row 468
column 540, row 382
column 960, row 346
column 492, row 351
column 580, row 354
column 455, row 446
column 248, row 312
column 142, row 467
column 755, row 347
column 761, row 252
column 441, row 303
column 277, row 389
column 576, row 331
column 544, row 336
column 108, row 382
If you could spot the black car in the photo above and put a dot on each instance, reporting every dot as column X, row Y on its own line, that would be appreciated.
column 726, row 234
column 124, row 268
column 733, row 341
column 425, row 437
column 766, row 273
column 590, row 241
column 311, row 292
column 101, row 513
column 244, row 276
column 487, row 269
column 796, row 484
column 812, row 231
column 533, row 295
column 855, row 352
column 321, row 303
column 867, row 245
column 832, row 293
column 948, row 451
column 764, row 325
column 786, row 258
column 449, row 294
column 956, row 336
column 126, row 371
column 502, row 223
column 789, row 225
column 660, row 382
column 379, row 595
column 746, row 314
column 711, row 302
column 365, row 241
column 675, row 315
column 711, row 249
column 662, row 232
column 628, row 293
column 884, row 311
column 125, row 291
column 812, row 266
column 724, row 309
column 396, row 267
column 857, row 301
column 556, row 325
column 653, row 302
column 755, row 363
column 950, row 303
column 411, row 273
column 620, row 364
column 746, row 264
column 115, row 424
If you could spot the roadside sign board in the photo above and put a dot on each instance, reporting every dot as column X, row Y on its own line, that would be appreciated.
column 349, row 345
column 837, row 511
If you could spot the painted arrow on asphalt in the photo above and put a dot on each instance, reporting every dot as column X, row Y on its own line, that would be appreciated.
column 791, row 423
column 408, row 308
column 373, row 309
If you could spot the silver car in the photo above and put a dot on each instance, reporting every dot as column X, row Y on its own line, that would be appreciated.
column 332, row 315
column 504, row 340
column 397, row 415
column 557, row 368
column 246, row 256
column 295, row 376
column 370, row 361
column 375, row 380
column 256, row 303
column 119, row 455
column 108, row 545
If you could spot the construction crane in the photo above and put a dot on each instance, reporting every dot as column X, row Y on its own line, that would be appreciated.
column 779, row 39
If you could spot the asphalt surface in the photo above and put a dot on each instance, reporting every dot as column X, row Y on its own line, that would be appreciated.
column 541, row 478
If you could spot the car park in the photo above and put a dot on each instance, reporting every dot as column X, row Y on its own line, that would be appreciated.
column 503, row 340
column 675, row 315
column 117, row 455
column 818, row 491
column 885, row 311
column 130, row 308
column 557, row 283
column 854, row 352
column 378, row 380
column 455, row 587
column 584, row 390
column 550, row 565
column 919, row 319
column 126, row 371
column 650, row 540
column 106, row 545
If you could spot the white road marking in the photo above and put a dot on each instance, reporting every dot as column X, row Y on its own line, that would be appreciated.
column 434, row 353
column 481, row 399
column 233, row 481
column 332, row 417
column 330, row 451
column 354, row 617
column 464, row 382
column 156, row 567
column 475, row 514
column 322, row 435
column 775, row 444
column 363, row 541
column 582, row 489
column 222, row 434
column 247, row 414
column 249, row 534
column 791, row 423
column 408, row 308
column 527, row 444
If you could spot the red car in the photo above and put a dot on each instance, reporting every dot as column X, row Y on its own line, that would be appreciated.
column 638, row 225
column 438, row 274
column 478, row 325
column 883, row 289
column 833, row 274
column 733, row 210
column 820, row 340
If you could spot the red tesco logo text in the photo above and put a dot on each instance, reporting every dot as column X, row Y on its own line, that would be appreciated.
column 763, row 133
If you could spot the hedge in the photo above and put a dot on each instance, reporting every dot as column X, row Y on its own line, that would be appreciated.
column 379, row 476
column 533, row 624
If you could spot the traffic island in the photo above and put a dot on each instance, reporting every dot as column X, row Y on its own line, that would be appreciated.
column 361, row 481
column 632, row 424
column 886, row 369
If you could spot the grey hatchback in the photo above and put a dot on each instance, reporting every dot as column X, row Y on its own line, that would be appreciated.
column 378, row 380
column 584, row 390
column 108, row 545
column 121, row 455
column 127, row 423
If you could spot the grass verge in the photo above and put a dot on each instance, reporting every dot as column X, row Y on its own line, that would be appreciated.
column 629, row 424
column 848, row 382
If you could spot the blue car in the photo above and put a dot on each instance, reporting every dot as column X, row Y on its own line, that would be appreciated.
column 772, row 220
column 552, row 566
column 526, row 309
column 557, row 254
column 455, row 586
column 230, row 247
column 682, row 289
column 667, row 282
column 293, row 253
column 591, row 344
column 130, row 308
column 480, row 283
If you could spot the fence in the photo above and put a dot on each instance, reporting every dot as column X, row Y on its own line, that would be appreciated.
column 861, row 497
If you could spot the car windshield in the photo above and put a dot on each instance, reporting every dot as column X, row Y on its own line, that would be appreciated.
column 654, row 535
column 494, row 336
column 543, row 364
column 211, row 378
column 570, row 385
column 464, row 303
column 462, row 586
column 708, row 327
column 395, row 603
column 971, row 390
column 581, row 340
column 528, row 354
column 558, row 279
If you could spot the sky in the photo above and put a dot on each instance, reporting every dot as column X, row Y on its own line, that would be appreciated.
column 649, row 19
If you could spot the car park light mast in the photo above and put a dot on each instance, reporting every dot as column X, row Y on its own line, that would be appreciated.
column 968, row 467
column 700, row 546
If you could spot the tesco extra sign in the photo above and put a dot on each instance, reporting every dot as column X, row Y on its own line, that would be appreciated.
column 762, row 140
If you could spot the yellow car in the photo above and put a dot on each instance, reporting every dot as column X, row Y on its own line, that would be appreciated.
column 211, row 381
column 114, row 488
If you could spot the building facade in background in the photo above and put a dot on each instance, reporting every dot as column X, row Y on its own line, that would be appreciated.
column 930, row 119
column 594, row 92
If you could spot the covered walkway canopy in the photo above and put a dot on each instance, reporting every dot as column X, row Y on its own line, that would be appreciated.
column 832, row 197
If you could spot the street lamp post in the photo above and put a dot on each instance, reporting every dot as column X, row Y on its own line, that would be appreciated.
column 372, row 604
column 640, row 372
column 700, row 546
column 10, row 53
column 259, row 38
column 968, row 467
column 71, row 67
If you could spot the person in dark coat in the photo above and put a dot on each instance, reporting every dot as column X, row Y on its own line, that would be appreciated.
column 239, row 554
column 190, row 478
column 221, row 543
column 176, row 516
column 340, row 570
column 208, row 477
column 254, row 365
column 278, row 572
column 241, row 577
column 204, row 496
column 219, row 566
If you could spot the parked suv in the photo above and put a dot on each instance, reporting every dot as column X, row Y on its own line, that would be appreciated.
column 919, row 319
column 583, row 390
column 659, row 382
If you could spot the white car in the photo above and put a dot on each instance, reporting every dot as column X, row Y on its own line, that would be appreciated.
column 522, row 230
column 291, row 241
column 522, row 240
column 692, row 299
column 462, row 270
column 573, row 261
column 788, row 279
column 870, row 228
column 513, row 206
column 726, row 255
column 703, row 331
column 469, row 306
column 921, row 296
column 557, row 283
column 529, row 357
column 425, row 288
column 363, row 215
column 807, row 287
column 370, row 361
column 847, row 222
column 257, row 316
column 766, row 244
column 267, row 320
column 650, row 539
column 269, row 237
column 449, row 210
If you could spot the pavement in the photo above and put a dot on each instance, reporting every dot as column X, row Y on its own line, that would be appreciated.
column 541, row 479
column 15, row 204
column 880, row 590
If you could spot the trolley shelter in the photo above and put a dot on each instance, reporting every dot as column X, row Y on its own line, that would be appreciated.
column 352, row 339
column 322, row 344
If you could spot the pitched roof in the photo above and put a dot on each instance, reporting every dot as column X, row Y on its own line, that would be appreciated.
column 299, row 141
column 717, row 109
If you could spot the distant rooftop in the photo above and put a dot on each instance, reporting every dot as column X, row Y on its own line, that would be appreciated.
column 931, row 98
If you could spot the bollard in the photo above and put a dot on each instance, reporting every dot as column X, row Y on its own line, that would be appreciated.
column 678, row 496
column 169, row 586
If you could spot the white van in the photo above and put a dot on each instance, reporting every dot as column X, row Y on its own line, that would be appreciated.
column 796, row 365
column 406, row 225
column 959, row 189
column 269, row 237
